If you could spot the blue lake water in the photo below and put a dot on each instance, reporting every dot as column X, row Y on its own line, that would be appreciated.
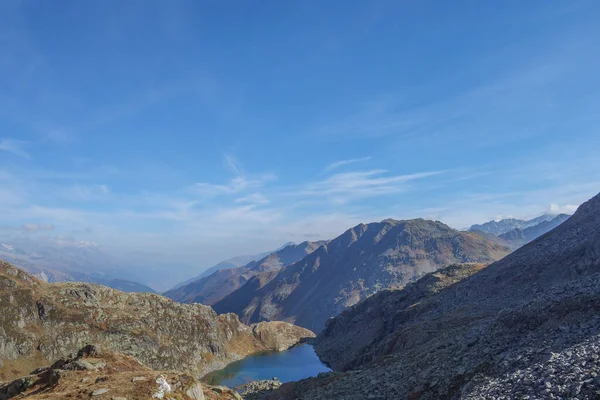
column 291, row 365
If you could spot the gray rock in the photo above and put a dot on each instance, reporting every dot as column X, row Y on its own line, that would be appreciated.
column 195, row 392
column 99, row 392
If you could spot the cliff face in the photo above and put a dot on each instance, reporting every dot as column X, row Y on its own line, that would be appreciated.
column 527, row 325
column 41, row 322
column 358, row 263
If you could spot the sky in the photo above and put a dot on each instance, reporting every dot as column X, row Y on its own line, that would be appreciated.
column 193, row 131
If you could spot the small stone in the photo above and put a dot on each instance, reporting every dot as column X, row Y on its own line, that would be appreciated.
column 139, row 379
column 98, row 392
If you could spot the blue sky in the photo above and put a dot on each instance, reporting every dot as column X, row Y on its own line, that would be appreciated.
column 199, row 130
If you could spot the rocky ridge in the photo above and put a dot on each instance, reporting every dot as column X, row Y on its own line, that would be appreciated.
column 41, row 322
column 358, row 263
column 527, row 326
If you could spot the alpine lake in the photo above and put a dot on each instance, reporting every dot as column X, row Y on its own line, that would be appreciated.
column 294, row 364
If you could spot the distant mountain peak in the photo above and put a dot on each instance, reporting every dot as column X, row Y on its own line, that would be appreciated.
column 502, row 226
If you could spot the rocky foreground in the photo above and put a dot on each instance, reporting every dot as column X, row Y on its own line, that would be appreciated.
column 41, row 322
column 96, row 374
column 525, row 327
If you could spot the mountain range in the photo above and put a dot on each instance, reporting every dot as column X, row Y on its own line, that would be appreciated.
column 508, row 224
column 223, row 281
column 358, row 263
column 521, row 236
column 526, row 326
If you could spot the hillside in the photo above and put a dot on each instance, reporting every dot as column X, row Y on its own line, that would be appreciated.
column 526, row 326
column 210, row 289
column 42, row 322
column 358, row 263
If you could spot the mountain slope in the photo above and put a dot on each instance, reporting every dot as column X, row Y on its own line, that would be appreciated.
column 525, row 326
column 506, row 225
column 518, row 237
column 360, row 262
column 212, row 288
column 41, row 322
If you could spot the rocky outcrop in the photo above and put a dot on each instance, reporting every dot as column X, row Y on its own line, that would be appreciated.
column 257, row 389
column 359, row 263
column 41, row 322
column 96, row 374
column 214, row 287
column 527, row 326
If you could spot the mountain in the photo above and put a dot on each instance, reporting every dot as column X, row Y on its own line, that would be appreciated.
column 527, row 326
column 40, row 322
column 234, row 262
column 210, row 289
column 506, row 225
column 518, row 237
column 358, row 263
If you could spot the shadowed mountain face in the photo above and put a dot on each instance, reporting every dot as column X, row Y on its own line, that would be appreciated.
column 40, row 322
column 210, row 289
column 360, row 262
column 527, row 325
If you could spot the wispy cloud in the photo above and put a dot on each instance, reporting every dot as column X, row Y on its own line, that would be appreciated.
column 16, row 147
column 233, row 164
column 237, row 185
column 341, row 163
column 81, row 192
column 37, row 227
column 28, row 228
column 254, row 198
column 343, row 187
